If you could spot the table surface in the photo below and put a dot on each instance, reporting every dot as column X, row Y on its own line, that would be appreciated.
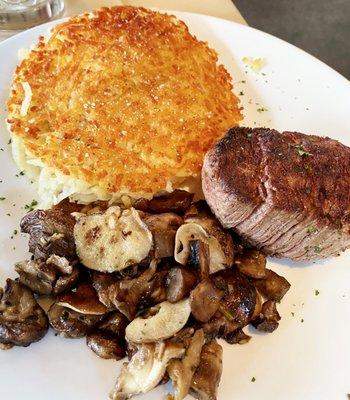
column 217, row 8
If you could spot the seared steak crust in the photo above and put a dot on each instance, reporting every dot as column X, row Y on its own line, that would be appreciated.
column 288, row 194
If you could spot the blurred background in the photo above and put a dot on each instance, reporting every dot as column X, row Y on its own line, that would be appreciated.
column 320, row 27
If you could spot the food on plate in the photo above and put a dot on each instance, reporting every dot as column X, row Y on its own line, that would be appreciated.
column 206, row 379
column 161, row 311
column 22, row 320
column 287, row 194
column 143, row 103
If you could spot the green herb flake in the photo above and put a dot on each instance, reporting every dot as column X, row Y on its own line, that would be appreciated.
column 241, row 93
column 21, row 173
column 317, row 249
column 302, row 320
column 253, row 379
column 262, row 109
column 2, row 198
column 301, row 151
column 292, row 314
column 317, row 292
column 9, row 142
column 311, row 229
column 31, row 206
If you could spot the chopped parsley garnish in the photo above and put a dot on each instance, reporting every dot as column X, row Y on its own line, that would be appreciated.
column 301, row 151
column 31, row 206
column 311, row 229
column 292, row 314
column 253, row 379
column 317, row 249
column 262, row 109
column 317, row 292
column 241, row 93
column 2, row 198
column 9, row 142
column 302, row 320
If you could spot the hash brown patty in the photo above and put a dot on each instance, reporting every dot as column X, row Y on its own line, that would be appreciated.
column 123, row 99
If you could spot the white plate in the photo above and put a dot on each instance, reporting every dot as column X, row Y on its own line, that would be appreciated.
column 301, row 360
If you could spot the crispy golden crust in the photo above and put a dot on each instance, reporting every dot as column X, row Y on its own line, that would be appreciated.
column 124, row 98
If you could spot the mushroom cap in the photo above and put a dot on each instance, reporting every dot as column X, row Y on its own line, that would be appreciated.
column 170, row 319
column 113, row 240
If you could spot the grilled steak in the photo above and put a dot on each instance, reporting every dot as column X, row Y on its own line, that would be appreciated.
column 287, row 194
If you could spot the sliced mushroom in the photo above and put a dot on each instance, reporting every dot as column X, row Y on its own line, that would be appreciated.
column 199, row 258
column 22, row 320
column 83, row 299
column 69, row 323
column 52, row 276
column 205, row 300
column 207, row 230
column 179, row 283
column 273, row 287
column 163, row 228
column 177, row 202
column 126, row 294
column 181, row 372
column 51, row 231
column 207, row 377
column 113, row 240
column 145, row 369
column 169, row 319
column 267, row 320
column 251, row 263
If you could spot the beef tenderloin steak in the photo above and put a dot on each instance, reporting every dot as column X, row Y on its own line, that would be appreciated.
column 286, row 193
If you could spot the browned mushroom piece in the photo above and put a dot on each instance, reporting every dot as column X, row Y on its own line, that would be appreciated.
column 237, row 337
column 236, row 308
column 199, row 258
column 273, row 287
column 205, row 300
column 251, row 263
column 51, row 231
column 103, row 283
column 125, row 294
column 52, row 276
column 22, row 320
column 179, row 283
column 206, row 379
column 177, row 202
column 69, row 323
column 267, row 320
column 107, row 338
column 75, row 313
column 83, row 299
column 158, row 290
column 204, row 227
column 181, row 371
column 163, row 227
column 105, row 345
